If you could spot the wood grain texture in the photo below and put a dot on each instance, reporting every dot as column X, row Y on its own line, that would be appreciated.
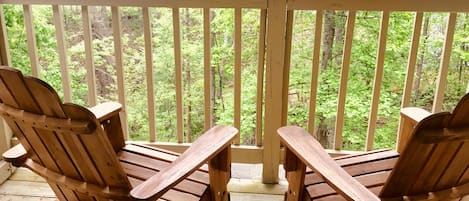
column 82, row 153
column 339, row 124
column 432, row 166
column 206, row 147
column 152, row 3
column 431, row 152
column 305, row 147
column 381, row 5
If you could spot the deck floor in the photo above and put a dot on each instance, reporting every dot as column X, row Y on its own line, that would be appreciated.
column 245, row 186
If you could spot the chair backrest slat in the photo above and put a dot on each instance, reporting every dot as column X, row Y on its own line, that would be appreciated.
column 78, row 149
column 456, row 169
column 435, row 157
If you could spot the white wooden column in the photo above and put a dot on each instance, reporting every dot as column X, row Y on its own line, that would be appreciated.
column 276, row 13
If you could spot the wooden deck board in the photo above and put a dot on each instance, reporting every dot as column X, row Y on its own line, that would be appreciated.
column 27, row 186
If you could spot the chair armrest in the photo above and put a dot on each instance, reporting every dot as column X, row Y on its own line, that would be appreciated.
column 308, row 150
column 410, row 116
column 16, row 155
column 108, row 115
column 104, row 111
column 414, row 114
column 206, row 147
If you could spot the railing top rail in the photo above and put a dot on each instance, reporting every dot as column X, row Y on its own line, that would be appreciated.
column 150, row 3
column 381, row 5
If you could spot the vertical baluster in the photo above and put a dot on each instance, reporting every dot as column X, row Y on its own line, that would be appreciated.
column 61, row 49
column 90, row 70
column 237, row 74
column 260, row 77
column 31, row 38
column 412, row 60
column 4, row 49
column 149, row 71
column 343, row 80
column 178, row 70
column 444, row 65
column 286, row 64
column 117, row 36
column 383, row 33
column 315, row 71
column 208, row 103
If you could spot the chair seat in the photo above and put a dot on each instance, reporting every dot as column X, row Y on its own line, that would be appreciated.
column 140, row 162
column 371, row 169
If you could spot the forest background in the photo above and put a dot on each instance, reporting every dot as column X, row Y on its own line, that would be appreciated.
column 360, row 80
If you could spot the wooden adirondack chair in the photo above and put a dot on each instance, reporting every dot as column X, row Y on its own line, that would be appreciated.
column 83, row 156
column 434, row 165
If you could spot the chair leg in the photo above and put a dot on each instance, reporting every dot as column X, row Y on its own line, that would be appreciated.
column 220, row 174
column 295, row 173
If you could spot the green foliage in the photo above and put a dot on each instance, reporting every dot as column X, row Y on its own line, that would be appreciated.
column 360, row 80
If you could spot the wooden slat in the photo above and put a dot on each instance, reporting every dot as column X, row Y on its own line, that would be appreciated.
column 4, row 49
column 159, row 3
column 89, row 61
column 409, row 79
column 8, row 98
column 14, row 86
column 418, row 155
column 273, row 96
column 369, row 180
column 61, row 50
column 383, row 33
column 47, row 122
column 31, row 39
column 149, row 71
column 315, row 71
column 454, row 171
column 441, row 157
column 178, row 71
column 339, row 125
column 237, row 72
column 444, row 65
column 382, row 5
column 312, row 154
column 366, row 167
column 260, row 77
column 148, row 160
column 208, row 102
column 79, row 186
column 98, row 152
column 117, row 36
column 286, row 66
column 414, row 46
column 207, row 146
column 144, row 172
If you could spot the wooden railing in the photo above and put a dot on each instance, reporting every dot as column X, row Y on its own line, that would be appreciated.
column 275, row 40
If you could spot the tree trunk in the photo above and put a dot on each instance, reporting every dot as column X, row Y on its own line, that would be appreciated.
column 419, row 67
column 328, row 38
column 340, row 21
column 212, row 73
column 329, row 31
